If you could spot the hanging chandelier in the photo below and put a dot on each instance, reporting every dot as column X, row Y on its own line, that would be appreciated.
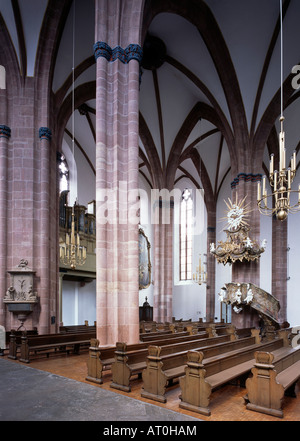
column 71, row 253
column 282, row 200
column 200, row 276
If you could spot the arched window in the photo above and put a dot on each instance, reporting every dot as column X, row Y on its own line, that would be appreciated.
column 186, row 235
column 63, row 174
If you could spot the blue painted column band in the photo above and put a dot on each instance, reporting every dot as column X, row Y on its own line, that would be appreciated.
column 246, row 177
column 131, row 52
column 45, row 133
column 5, row 131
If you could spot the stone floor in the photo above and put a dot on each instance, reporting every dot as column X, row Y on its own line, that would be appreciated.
column 29, row 394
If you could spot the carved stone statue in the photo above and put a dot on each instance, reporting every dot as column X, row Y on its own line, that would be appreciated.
column 10, row 293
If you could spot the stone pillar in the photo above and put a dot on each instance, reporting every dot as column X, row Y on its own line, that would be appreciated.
column 163, row 265
column 22, row 172
column 29, row 191
column 211, row 268
column 43, row 252
column 117, row 54
column 4, row 140
column 247, row 272
column 279, row 264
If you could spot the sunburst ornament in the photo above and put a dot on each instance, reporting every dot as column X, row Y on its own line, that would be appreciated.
column 236, row 214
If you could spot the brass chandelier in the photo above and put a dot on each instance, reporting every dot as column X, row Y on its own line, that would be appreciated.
column 200, row 276
column 71, row 253
column 283, row 200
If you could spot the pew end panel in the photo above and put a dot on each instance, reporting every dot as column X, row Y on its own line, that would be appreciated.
column 155, row 381
column 272, row 379
column 93, row 364
column 195, row 390
column 264, row 394
column 120, row 370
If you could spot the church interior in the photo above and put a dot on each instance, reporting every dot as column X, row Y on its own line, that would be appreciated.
column 150, row 201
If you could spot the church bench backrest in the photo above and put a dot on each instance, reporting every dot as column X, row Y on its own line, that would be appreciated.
column 57, row 338
column 163, row 335
column 175, row 359
column 161, row 369
column 272, row 373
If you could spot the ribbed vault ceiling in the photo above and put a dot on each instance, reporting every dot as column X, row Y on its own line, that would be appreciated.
column 222, row 64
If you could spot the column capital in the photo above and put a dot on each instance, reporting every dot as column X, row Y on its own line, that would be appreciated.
column 131, row 52
column 45, row 133
column 5, row 131
column 250, row 177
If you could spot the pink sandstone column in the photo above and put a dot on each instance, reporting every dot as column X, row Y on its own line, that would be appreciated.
column 163, row 266
column 248, row 272
column 42, row 257
column 279, row 265
column 21, row 212
column 117, row 107
column 211, row 267
column 4, row 140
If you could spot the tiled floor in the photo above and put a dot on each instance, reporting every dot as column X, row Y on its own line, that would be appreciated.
column 227, row 403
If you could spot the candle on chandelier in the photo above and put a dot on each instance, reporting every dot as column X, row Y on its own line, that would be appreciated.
column 289, row 178
column 264, row 193
column 283, row 159
column 272, row 164
column 275, row 180
column 281, row 151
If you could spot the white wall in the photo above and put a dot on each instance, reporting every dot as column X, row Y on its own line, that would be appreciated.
column 189, row 298
column 78, row 303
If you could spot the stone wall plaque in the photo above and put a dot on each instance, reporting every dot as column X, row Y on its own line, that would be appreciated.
column 20, row 297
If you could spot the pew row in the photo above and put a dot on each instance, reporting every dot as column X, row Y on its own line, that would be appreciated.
column 129, row 363
column 101, row 358
column 15, row 336
column 52, row 342
column 272, row 378
column 201, row 377
column 77, row 328
column 162, row 370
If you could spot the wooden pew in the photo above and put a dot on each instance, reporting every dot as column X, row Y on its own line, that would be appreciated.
column 203, row 376
column 156, row 334
column 163, row 336
column 15, row 337
column 101, row 358
column 161, row 370
column 50, row 342
column 19, row 333
column 76, row 328
column 272, row 378
column 129, row 363
column 14, row 340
